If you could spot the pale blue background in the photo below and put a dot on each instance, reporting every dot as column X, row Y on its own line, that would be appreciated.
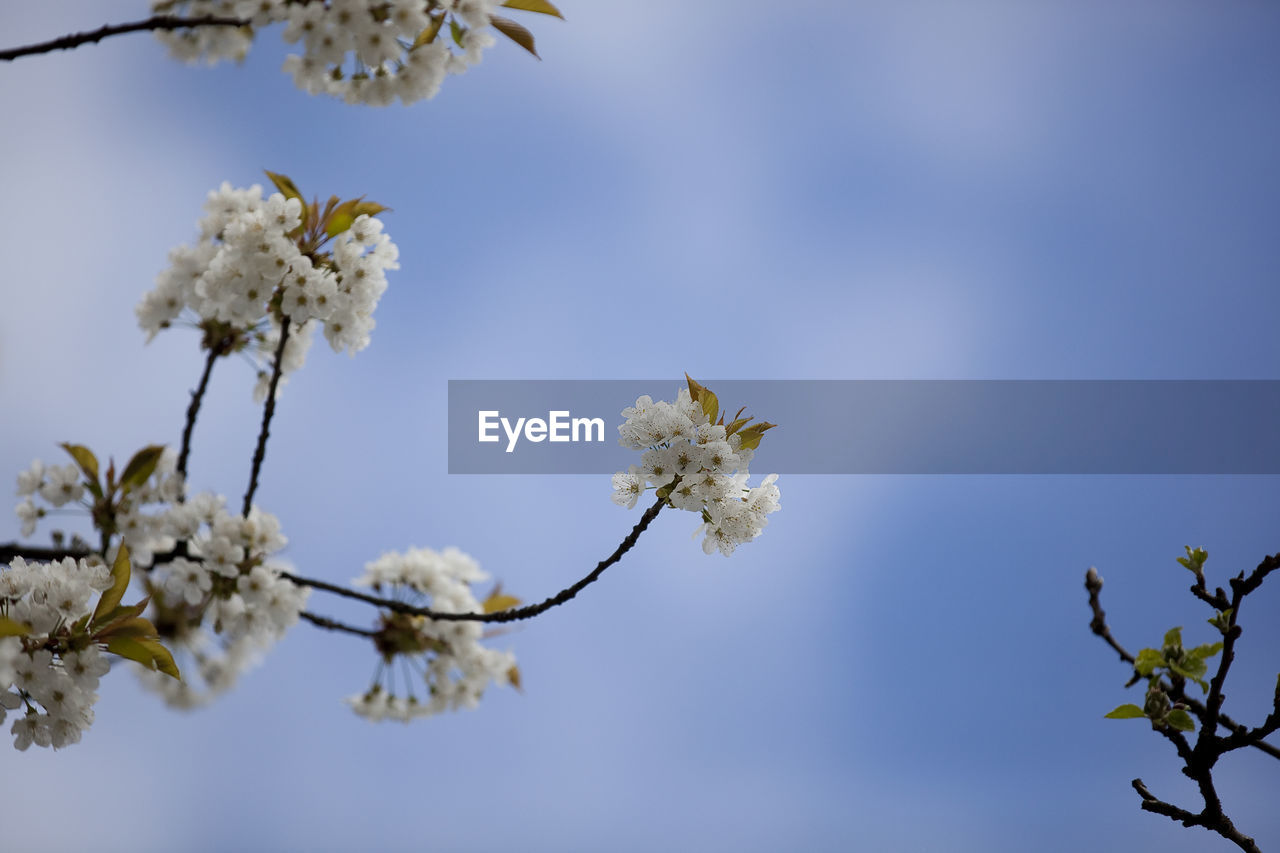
column 750, row 190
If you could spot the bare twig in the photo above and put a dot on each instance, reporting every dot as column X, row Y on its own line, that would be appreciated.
column 334, row 625
column 193, row 410
column 1093, row 583
column 157, row 22
column 268, row 411
column 512, row 615
column 11, row 550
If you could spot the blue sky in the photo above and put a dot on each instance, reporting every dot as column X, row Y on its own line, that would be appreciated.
column 844, row 191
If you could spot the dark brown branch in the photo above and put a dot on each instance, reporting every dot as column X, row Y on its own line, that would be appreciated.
column 1241, row 734
column 1098, row 625
column 1218, row 823
column 193, row 410
column 1200, row 759
column 1207, row 741
column 157, row 22
column 517, row 614
column 1266, row 567
column 11, row 550
column 334, row 625
column 513, row 615
column 268, row 411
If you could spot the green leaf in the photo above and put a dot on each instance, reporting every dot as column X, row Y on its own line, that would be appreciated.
column 456, row 30
column 1221, row 620
column 751, row 435
column 516, row 32
column 141, row 467
column 428, row 35
column 540, row 6
column 134, row 626
column 368, row 208
column 1194, row 560
column 286, row 186
column 1148, row 660
column 150, row 653
column 1173, row 637
column 1180, row 720
column 119, row 583
column 1207, row 650
column 1189, row 667
column 497, row 601
column 341, row 218
column 116, row 614
column 84, row 458
column 695, row 390
column 13, row 628
column 344, row 215
column 1125, row 712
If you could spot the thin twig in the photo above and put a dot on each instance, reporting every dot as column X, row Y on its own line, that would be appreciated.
column 10, row 550
column 193, row 410
column 334, row 625
column 268, row 411
column 1093, row 583
column 157, row 22
column 513, row 615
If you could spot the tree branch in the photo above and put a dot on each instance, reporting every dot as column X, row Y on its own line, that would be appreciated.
column 512, row 615
column 1219, row 823
column 334, row 625
column 157, row 22
column 268, row 411
column 10, row 550
column 1200, row 759
column 1098, row 625
column 193, row 410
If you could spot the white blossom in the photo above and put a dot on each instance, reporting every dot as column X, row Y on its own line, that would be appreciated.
column 702, row 467
column 363, row 51
column 244, row 259
column 456, row 668
column 57, row 687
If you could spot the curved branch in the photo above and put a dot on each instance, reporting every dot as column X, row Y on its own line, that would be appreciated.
column 1098, row 625
column 193, row 410
column 8, row 551
column 512, row 615
column 157, row 22
column 268, row 411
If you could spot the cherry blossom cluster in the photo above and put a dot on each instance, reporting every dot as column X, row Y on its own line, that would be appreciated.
column 56, row 485
column 223, row 605
column 250, row 258
column 363, row 51
column 445, row 657
column 48, row 669
column 220, row 603
column 697, row 465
